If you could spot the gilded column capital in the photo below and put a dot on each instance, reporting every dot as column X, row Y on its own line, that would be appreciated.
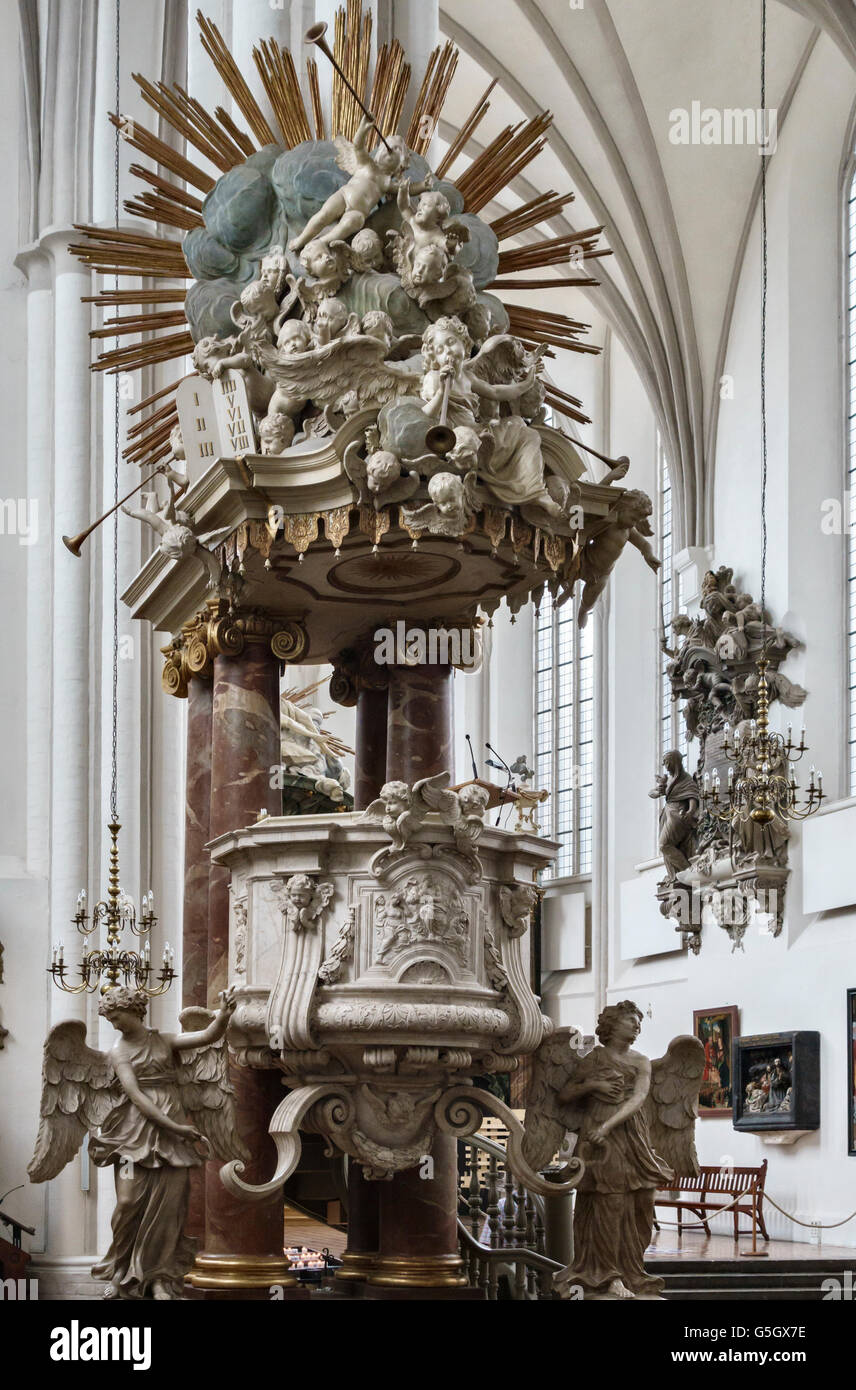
column 218, row 630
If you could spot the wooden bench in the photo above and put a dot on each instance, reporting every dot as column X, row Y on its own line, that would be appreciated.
column 722, row 1185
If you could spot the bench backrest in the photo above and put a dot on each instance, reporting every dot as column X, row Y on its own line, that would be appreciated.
column 718, row 1178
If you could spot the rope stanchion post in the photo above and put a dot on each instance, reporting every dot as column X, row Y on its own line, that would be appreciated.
column 755, row 1253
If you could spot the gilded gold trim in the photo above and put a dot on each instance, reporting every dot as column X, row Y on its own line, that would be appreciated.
column 240, row 1272
column 357, row 1264
column 418, row 1271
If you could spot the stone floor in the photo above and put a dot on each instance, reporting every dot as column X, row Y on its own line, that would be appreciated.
column 695, row 1245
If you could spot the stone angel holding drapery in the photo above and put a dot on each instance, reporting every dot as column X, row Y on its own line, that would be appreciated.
column 155, row 1106
column 635, row 1122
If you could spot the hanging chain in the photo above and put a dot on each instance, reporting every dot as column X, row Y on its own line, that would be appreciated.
column 764, row 157
column 114, row 793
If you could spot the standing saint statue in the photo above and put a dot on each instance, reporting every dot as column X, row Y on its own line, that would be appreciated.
column 679, row 814
column 155, row 1106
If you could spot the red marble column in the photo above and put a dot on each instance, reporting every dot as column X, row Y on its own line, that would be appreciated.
column 243, row 1241
column 418, row 1242
column 419, row 729
column 370, row 741
column 363, row 1233
column 194, row 950
column 418, row 1255
column 197, row 807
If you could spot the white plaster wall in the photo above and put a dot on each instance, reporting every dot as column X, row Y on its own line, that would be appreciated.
column 798, row 980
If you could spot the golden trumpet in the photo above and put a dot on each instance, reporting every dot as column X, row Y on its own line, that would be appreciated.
column 315, row 35
column 73, row 543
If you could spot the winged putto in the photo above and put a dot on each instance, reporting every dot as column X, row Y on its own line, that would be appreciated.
column 402, row 809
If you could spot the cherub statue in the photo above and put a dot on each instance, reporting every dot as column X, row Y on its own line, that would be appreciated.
column 176, row 444
column 254, row 313
column 366, row 251
column 512, row 466
column 372, row 177
column 626, row 521
column 423, row 252
column 635, row 1120
column 429, row 222
column 303, row 900
column 378, row 324
column 214, row 356
column 275, row 434
column 175, row 528
column 401, row 810
column 463, row 810
column 328, row 265
column 294, row 338
column 450, row 510
column 333, row 320
column 155, row 1106
column 679, row 814
column 378, row 478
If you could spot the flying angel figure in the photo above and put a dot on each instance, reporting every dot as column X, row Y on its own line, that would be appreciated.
column 372, row 177
column 635, row 1121
column 155, row 1106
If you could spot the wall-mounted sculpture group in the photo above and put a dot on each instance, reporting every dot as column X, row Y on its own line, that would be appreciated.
column 718, row 870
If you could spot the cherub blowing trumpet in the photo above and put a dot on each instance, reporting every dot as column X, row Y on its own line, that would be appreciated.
column 155, row 1106
column 372, row 177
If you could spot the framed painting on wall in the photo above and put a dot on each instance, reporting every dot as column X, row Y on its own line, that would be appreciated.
column 851, row 1071
column 776, row 1080
column 716, row 1030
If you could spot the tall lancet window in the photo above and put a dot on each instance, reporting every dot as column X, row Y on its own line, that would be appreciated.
column 850, row 493
column 564, row 729
column 672, row 730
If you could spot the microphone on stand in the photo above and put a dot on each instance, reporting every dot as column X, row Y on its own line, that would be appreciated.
column 472, row 756
column 502, row 765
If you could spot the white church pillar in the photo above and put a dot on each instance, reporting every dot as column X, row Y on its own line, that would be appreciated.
column 36, row 266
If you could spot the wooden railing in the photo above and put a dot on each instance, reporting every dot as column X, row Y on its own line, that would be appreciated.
column 502, row 1227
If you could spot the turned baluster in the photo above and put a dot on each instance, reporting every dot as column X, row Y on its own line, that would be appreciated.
column 540, row 1230
column 492, row 1204
column 531, row 1242
column 508, row 1208
column 474, row 1197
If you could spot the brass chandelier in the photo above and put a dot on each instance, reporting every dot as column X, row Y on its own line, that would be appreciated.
column 113, row 964
column 761, row 782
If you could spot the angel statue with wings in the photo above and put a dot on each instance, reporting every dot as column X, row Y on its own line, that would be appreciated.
column 372, row 177
column 635, row 1121
column 155, row 1106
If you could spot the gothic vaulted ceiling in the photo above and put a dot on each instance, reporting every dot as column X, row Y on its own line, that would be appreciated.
column 612, row 71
